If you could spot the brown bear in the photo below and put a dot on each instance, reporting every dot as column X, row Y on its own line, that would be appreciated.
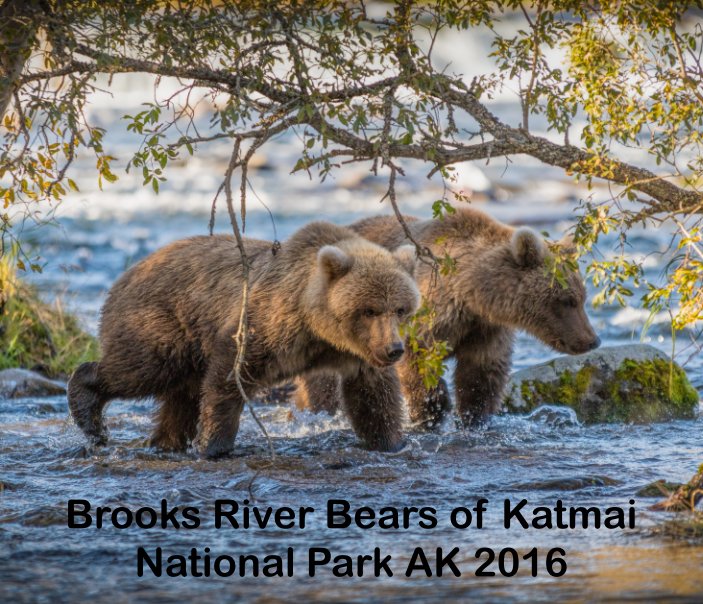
column 326, row 299
column 501, row 283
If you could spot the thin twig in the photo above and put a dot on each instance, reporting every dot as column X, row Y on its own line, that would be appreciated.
column 240, row 337
column 424, row 253
column 526, row 102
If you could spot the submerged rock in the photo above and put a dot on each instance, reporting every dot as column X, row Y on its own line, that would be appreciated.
column 554, row 416
column 658, row 488
column 17, row 383
column 566, row 484
column 634, row 383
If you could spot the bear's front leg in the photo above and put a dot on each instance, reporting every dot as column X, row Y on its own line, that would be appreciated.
column 177, row 420
column 427, row 406
column 372, row 400
column 220, row 408
column 480, row 377
column 318, row 392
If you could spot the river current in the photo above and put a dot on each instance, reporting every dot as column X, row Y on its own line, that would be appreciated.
column 543, row 458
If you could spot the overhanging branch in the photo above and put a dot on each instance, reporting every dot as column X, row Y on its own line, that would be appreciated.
column 505, row 140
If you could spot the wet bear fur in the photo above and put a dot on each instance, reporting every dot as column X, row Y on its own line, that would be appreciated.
column 502, row 282
column 328, row 299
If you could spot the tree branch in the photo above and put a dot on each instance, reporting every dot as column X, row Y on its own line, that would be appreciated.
column 18, row 29
column 666, row 195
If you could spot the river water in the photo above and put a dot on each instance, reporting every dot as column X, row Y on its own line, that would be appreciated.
column 542, row 458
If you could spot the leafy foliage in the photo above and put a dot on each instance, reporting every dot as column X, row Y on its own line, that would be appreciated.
column 429, row 354
column 360, row 83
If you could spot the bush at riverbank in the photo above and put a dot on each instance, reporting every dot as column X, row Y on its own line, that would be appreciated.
column 37, row 335
column 687, row 524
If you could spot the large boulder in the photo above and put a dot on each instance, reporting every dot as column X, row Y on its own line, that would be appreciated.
column 634, row 383
column 18, row 383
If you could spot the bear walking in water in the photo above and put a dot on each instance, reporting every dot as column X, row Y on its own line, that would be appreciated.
column 502, row 282
column 328, row 299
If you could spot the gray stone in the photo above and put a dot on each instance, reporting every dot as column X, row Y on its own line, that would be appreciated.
column 633, row 383
column 17, row 383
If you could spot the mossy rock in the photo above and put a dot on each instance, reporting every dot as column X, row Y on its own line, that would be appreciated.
column 659, row 488
column 633, row 384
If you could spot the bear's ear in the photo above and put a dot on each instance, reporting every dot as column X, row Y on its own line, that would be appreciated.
column 333, row 261
column 528, row 247
column 407, row 256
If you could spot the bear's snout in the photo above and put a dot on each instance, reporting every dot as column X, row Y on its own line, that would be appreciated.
column 594, row 344
column 395, row 351
column 581, row 347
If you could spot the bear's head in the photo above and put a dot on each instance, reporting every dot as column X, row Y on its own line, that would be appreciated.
column 362, row 294
column 523, row 292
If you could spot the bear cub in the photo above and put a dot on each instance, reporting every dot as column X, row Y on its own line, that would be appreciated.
column 502, row 281
column 327, row 299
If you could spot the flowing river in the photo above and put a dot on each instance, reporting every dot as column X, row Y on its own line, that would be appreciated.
column 542, row 458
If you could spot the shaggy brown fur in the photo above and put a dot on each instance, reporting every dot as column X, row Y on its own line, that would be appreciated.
column 501, row 284
column 326, row 299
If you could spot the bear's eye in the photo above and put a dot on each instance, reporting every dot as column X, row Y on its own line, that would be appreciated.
column 570, row 303
column 369, row 312
column 400, row 312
